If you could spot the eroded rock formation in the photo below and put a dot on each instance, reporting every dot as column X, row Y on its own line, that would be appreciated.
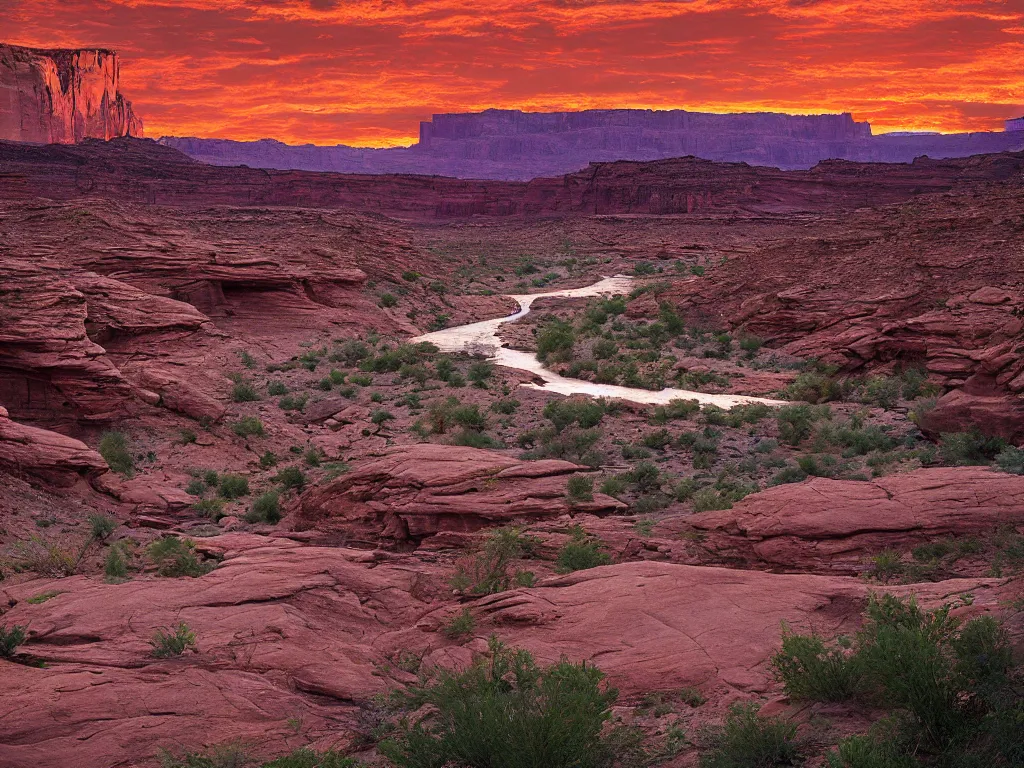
column 62, row 96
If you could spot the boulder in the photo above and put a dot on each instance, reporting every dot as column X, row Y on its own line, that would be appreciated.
column 959, row 411
column 416, row 491
column 46, row 455
column 832, row 525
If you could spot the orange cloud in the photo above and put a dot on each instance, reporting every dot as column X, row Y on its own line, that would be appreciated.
column 366, row 72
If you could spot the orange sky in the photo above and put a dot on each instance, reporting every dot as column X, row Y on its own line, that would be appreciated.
column 367, row 71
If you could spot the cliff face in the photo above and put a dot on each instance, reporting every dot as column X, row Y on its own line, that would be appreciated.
column 62, row 96
column 519, row 146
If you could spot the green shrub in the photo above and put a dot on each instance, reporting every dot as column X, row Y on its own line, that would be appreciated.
column 469, row 416
column 1011, row 460
column 326, row 385
column 291, row 477
column 883, row 391
column 247, row 360
column 580, row 488
column 174, row 557
column 748, row 741
column 581, row 554
column 506, row 406
column 248, row 427
column 244, row 392
column 488, row 571
column 233, row 486
column 460, row 626
column 788, row 475
column 615, row 485
column 473, row 439
column 292, row 402
column 809, row 669
column 960, row 449
column 870, row 752
column 101, row 526
column 796, row 421
column 268, row 460
column 307, row 758
column 115, row 564
column 195, row 487
column 583, row 412
column 266, row 509
column 188, row 437
column 10, row 639
column 506, row 712
column 388, row 300
column 276, row 388
column 555, row 338
column 480, row 371
column 167, row 644
column 211, row 508
column 116, row 451
column 814, row 387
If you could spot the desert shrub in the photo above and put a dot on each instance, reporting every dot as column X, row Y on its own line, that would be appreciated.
column 469, row 417
column 685, row 489
column 505, row 405
column 115, row 564
column 580, row 488
column 211, row 508
column 809, row 669
column 101, row 526
column 276, row 388
column 473, row 439
column 487, row 572
column 657, row 440
column 461, row 625
column 871, row 751
column 233, row 486
column 749, row 741
column 313, row 457
column 211, row 478
column 708, row 499
column 195, row 487
column 388, row 300
column 960, row 449
column 788, row 475
column 268, row 460
column 814, row 387
column 174, row 557
column 856, row 439
column 244, row 392
column 615, row 485
column 292, row 402
column 676, row 409
column 580, row 554
column 949, row 682
column 1011, row 460
column 48, row 557
column 248, row 427
column 883, row 391
column 555, row 338
column 572, row 444
column 751, row 344
column 506, row 712
column 173, row 643
column 187, row 436
column 583, row 412
column 10, row 639
column 480, row 371
column 796, row 422
column 291, row 477
column 604, row 349
column 266, row 509
column 116, row 451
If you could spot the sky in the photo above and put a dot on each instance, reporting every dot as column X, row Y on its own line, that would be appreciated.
column 365, row 72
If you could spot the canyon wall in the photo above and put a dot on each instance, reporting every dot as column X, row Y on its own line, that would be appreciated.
column 519, row 146
column 62, row 96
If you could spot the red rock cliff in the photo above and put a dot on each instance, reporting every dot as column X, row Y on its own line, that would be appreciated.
column 62, row 96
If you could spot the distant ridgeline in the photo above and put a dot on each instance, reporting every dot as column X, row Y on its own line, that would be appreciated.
column 514, row 145
column 62, row 96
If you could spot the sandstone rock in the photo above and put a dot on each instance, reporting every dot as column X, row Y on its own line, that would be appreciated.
column 283, row 631
column 958, row 411
column 146, row 495
column 832, row 525
column 62, row 96
column 46, row 455
column 420, row 490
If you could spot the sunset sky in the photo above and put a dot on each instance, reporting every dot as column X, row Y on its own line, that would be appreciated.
column 366, row 72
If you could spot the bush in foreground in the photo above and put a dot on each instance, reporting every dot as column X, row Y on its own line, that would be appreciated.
column 506, row 711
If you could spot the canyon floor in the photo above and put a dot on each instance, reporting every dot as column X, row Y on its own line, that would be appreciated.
column 217, row 430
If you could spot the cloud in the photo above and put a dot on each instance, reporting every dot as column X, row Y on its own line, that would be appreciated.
column 366, row 71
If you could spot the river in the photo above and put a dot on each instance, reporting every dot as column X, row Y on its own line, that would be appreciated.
column 482, row 339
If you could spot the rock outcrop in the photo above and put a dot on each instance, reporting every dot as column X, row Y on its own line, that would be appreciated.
column 289, row 633
column 62, row 96
column 515, row 145
column 833, row 525
column 417, row 491
column 45, row 455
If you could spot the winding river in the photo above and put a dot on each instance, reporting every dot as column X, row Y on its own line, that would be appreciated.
column 482, row 339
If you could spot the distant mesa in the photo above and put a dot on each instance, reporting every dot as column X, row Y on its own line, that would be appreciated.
column 518, row 146
column 62, row 96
